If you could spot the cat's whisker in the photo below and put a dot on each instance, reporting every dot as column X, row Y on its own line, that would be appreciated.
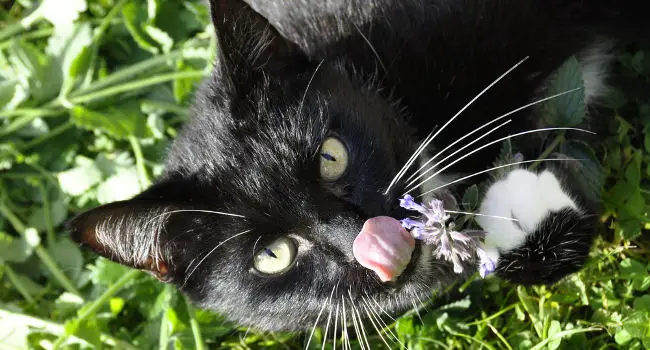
column 372, row 48
column 414, row 177
column 311, row 79
column 496, row 168
column 454, row 153
column 355, row 310
column 416, row 309
column 336, row 323
column 346, row 340
column 380, row 308
column 210, row 252
column 490, row 144
column 380, row 326
column 354, row 322
column 255, row 245
column 415, row 154
column 313, row 329
column 490, row 122
column 370, row 317
column 167, row 213
column 477, row 214
column 386, row 328
column 425, row 144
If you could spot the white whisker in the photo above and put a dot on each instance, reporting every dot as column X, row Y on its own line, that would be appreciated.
column 408, row 164
column 454, row 153
column 210, row 252
column 495, row 168
column 487, row 145
column 492, row 121
column 195, row 211
column 313, row 329
column 477, row 214
column 370, row 317
column 336, row 324
column 410, row 161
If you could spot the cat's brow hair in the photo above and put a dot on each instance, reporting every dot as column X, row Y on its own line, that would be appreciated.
column 481, row 127
column 491, row 143
column 212, row 251
column 372, row 48
column 427, row 142
column 311, row 79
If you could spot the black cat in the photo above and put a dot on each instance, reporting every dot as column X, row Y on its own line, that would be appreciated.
column 312, row 110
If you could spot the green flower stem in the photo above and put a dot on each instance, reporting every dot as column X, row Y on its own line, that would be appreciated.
column 59, row 330
column 37, row 34
column 169, row 107
column 51, row 239
column 562, row 334
column 44, row 138
column 163, row 335
column 556, row 142
column 196, row 330
column 31, row 112
column 97, row 304
column 11, row 31
column 135, row 85
column 41, row 252
column 106, row 22
column 145, row 181
column 13, row 278
column 493, row 316
column 128, row 72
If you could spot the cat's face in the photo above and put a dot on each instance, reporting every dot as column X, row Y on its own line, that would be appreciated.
column 267, row 187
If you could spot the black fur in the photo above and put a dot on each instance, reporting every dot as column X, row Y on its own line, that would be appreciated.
column 381, row 75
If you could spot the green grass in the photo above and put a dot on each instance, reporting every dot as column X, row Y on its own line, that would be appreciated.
column 88, row 111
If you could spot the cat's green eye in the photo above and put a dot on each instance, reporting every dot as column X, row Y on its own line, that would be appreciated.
column 276, row 257
column 333, row 159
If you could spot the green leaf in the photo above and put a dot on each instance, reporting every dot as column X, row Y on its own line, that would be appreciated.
column 554, row 329
column 121, row 186
column 58, row 213
column 567, row 110
column 80, row 179
column 161, row 37
column 36, row 71
column 13, row 332
column 119, row 121
column 59, row 15
column 642, row 303
column 68, row 256
column 633, row 169
column 470, row 198
column 105, row 272
column 135, row 19
column 70, row 47
column 13, row 249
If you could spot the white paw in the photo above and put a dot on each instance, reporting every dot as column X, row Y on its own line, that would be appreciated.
column 525, row 196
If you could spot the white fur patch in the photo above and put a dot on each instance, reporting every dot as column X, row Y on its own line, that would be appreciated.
column 594, row 62
column 523, row 195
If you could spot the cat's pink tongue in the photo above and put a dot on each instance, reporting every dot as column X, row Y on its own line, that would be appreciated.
column 384, row 247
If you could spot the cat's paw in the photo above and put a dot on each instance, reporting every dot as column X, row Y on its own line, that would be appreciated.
column 535, row 231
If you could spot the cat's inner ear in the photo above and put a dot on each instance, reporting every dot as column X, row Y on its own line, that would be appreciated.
column 247, row 41
column 128, row 232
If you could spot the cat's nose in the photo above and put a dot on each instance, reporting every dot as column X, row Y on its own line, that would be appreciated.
column 384, row 247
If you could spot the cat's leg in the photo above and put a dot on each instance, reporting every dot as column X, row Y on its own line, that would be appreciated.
column 553, row 231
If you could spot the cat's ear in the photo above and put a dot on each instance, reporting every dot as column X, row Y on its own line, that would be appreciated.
column 128, row 232
column 247, row 41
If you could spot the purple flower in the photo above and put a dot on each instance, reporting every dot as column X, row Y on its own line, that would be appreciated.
column 487, row 265
column 452, row 245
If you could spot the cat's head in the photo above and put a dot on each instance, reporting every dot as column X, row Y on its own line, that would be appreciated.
column 268, row 185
